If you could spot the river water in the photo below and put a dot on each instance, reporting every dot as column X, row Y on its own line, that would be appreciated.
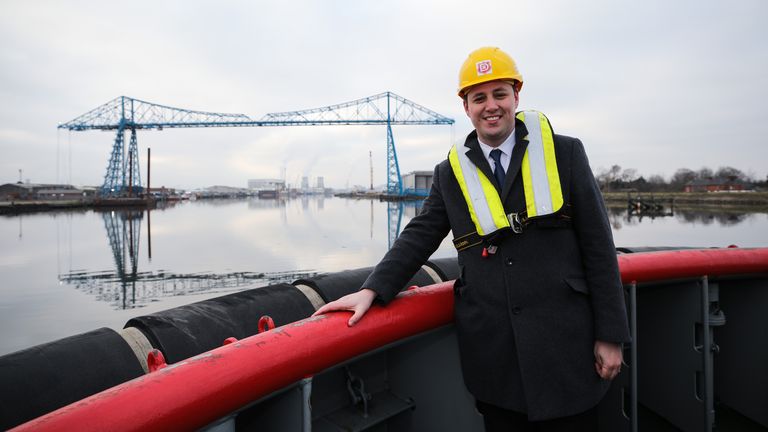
column 70, row 272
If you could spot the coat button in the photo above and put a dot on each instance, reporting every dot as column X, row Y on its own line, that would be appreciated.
column 510, row 261
column 516, row 310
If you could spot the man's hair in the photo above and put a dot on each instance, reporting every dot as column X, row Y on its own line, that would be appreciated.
column 515, row 85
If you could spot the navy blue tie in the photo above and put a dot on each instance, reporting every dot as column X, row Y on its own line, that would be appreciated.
column 498, row 171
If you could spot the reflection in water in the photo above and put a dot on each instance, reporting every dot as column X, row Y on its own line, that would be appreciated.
column 138, row 289
column 619, row 216
column 394, row 217
column 127, row 288
column 649, row 206
column 706, row 218
column 123, row 230
column 395, row 210
column 627, row 216
column 258, row 204
column 652, row 212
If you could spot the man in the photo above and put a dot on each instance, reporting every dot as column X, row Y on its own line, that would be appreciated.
column 539, row 309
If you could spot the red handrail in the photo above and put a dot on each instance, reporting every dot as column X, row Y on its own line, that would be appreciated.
column 678, row 264
column 197, row 391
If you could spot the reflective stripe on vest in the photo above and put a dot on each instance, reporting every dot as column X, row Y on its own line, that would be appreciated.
column 541, row 181
column 484, row 204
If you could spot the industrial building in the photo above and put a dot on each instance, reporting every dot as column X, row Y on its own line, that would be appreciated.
column 35, row 191
column 266, row 184
column 417, row 183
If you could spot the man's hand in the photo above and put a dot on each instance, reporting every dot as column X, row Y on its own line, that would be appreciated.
column 608, row 358
column 358, row 303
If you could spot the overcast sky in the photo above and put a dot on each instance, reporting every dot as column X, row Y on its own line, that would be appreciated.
column 653, row 85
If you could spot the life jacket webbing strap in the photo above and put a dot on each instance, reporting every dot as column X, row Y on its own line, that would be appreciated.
column 473, row 239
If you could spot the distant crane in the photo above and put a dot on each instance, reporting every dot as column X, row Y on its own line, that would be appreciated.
column 128, row 114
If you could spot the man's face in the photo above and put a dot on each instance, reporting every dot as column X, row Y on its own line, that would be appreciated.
column 491, row 107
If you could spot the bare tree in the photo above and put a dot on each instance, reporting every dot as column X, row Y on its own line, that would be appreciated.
column 681, row 177
column 657, row 182
column 628, row 175
column 731, row 173
column 607, row 178
column 704, row 173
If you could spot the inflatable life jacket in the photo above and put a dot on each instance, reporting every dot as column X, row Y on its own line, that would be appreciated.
column 541, row 184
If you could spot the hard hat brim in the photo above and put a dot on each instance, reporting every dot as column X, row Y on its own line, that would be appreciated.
column 517, row 84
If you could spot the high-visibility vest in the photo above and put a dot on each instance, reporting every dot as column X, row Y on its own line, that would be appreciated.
column 541, row 181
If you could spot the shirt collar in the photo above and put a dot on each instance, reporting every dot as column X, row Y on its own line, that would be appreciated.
column 505, row 147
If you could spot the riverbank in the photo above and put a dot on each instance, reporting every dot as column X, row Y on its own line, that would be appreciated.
column 379, row 196
column 28, row 206
column 751, row 201
column 754, row 201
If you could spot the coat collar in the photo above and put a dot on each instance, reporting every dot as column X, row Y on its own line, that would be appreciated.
column 475, row 154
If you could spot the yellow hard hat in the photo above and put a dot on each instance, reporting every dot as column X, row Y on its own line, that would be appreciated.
column 488, row 64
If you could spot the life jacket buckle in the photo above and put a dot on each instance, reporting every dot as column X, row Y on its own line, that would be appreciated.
column 515, row 223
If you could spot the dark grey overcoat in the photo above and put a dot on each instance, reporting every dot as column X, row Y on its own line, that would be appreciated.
column 526, row 317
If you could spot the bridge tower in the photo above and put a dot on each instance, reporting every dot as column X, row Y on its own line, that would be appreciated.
column 394, row 180
column 123, row 176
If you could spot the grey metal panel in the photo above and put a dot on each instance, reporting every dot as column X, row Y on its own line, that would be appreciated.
column 332, row 405
column 741, row 365
column 427, row 369
column 330, row 392
column 383, row 408
column 668, row 363
column 415, row 385
column 283, row 412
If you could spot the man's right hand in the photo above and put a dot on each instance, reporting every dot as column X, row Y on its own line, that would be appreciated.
column 358, row 303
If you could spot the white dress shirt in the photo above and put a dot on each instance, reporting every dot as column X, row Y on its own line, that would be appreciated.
column 506, row 151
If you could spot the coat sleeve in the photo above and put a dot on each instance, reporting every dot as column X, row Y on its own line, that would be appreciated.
column 598, row 252
column 416, row 243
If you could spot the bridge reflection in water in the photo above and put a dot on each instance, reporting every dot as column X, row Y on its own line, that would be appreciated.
column 126, row 287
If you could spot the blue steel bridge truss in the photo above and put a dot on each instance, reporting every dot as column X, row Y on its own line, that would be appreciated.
column 124, row 114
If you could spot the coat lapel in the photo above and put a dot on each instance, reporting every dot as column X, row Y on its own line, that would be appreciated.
column 476, row 156
column 516, row 159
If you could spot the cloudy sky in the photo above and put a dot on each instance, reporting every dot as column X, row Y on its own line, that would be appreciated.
column 652, row 85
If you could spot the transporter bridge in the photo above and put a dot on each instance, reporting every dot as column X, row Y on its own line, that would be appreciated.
column 124, row 114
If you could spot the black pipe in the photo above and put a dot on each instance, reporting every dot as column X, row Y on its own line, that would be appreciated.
column 193, row 329
column 46, row 377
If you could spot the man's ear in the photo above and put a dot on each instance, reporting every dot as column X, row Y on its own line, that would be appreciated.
column 466, row 106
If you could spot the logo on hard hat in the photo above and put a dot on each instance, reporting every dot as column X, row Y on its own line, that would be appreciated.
column 484, row 67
